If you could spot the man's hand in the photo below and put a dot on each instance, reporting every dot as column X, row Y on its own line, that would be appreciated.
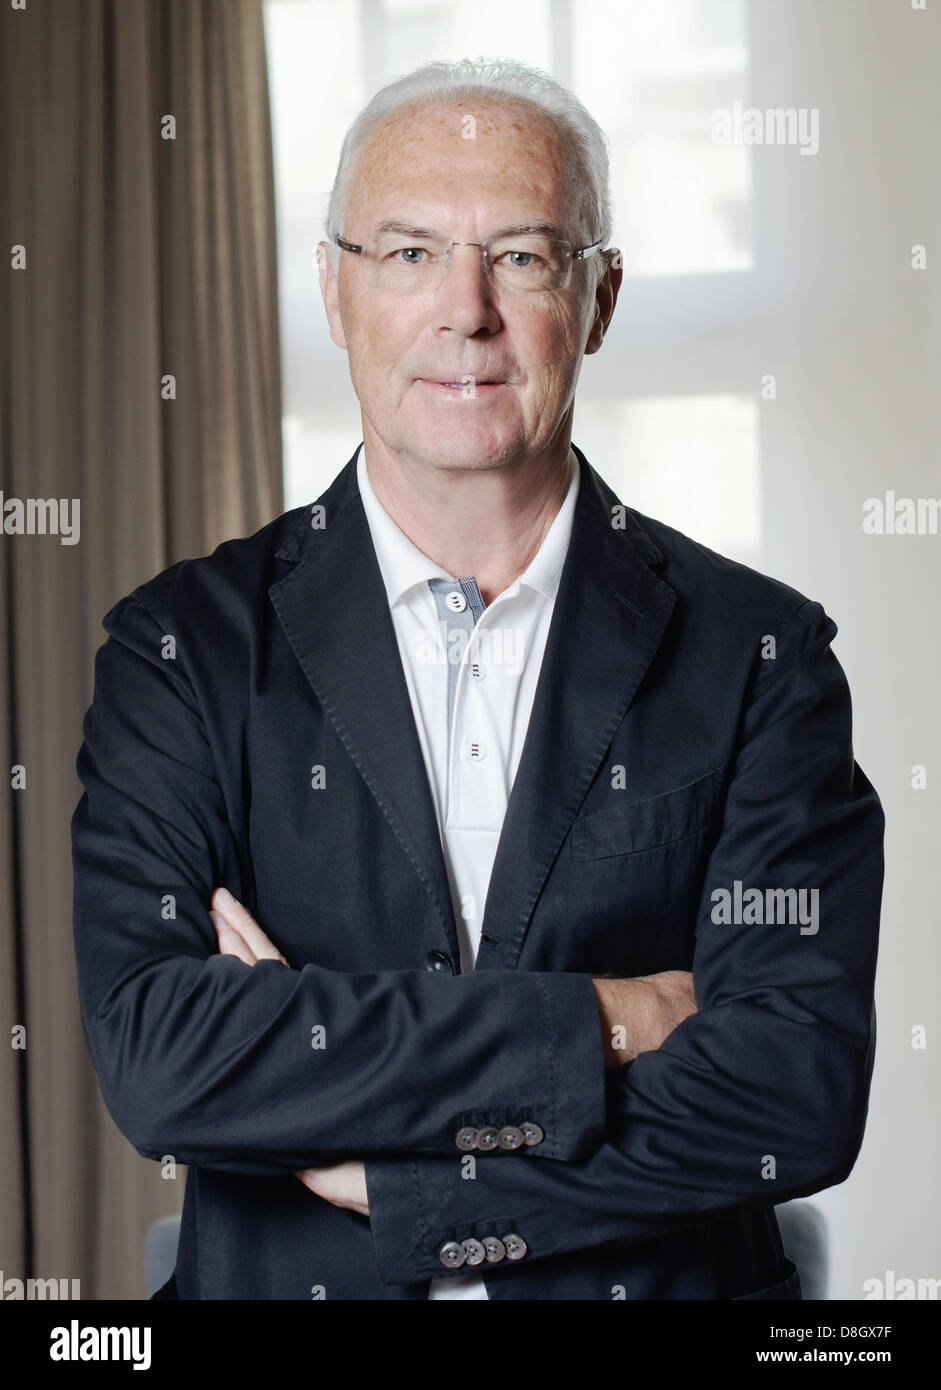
column 342, row 1184
column 238, row 932
column 638, row 1015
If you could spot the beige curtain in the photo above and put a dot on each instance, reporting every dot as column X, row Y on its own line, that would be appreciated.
column 140, row 374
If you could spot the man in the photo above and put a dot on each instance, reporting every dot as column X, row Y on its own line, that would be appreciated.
column 476, row 772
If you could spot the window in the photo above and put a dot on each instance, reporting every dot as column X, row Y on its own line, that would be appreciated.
column 668, row 411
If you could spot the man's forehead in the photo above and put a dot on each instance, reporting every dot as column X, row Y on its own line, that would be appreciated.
column 418, row 168
column 478, row 118
column 451, row 143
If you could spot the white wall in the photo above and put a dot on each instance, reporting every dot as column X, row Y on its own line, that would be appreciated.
column 860, row 415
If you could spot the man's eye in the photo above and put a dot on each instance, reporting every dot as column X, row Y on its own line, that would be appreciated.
column 521, row 260
column 410, row 255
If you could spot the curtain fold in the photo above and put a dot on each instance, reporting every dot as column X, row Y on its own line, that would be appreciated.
column 140, row 375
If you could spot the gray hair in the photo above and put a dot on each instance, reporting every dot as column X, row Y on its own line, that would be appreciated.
column 490, row 77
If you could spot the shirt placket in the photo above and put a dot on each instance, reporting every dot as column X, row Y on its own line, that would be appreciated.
column 460, row 607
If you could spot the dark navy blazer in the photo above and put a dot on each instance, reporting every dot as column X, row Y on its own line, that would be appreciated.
column 673, row 752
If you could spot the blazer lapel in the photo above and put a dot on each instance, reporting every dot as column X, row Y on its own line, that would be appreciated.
column 334, row 611
column 610, row 614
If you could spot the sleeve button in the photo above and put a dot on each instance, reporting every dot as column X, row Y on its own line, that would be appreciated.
column 451, row 1255
column 532, row 1133
column 474, row 1252
column 510, row 1137
column 494, row 1249
column 516, row 1246
column 466, row 1139
column 487, row 1138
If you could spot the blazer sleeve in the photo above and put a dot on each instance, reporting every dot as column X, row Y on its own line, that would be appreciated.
column 204, row 1058
column 762, row 1095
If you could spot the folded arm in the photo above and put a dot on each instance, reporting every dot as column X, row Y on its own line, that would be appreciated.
column 761, row 1095
column 264, row 1069
column 635, row 1016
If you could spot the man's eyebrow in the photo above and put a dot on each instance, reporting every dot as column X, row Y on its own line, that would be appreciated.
column 403, row 229
column 396, row 228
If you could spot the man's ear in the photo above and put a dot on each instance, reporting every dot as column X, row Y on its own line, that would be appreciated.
column 606, row 295
column 329, row 288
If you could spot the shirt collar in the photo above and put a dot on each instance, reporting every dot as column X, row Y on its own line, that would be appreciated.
column 402, row 565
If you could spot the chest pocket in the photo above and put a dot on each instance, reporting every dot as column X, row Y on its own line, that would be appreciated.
column 649, row 823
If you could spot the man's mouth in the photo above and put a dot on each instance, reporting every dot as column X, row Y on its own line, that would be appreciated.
column 464, row 384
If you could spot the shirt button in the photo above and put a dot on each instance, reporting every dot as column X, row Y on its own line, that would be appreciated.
column 532, row 1133
column 452, row 1255
column 466, row 1139
column 510, row 1137
column 488, row 1138
column 456, row 601
column 474, row 1252
column 477, row 670
column 494, row 1249
column 516, row 1246
column 437, row 960
column 474, row 751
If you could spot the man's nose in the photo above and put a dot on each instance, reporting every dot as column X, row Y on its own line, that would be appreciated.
column 465, row 300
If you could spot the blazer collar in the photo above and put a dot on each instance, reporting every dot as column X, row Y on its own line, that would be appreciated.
column 610, row 614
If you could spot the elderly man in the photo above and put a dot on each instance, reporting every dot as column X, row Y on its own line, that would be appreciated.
column 410, row 821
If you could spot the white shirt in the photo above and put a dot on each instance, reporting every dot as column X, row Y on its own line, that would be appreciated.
column 487, row 670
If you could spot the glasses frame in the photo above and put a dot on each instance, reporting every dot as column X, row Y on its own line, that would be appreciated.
column 578, row 254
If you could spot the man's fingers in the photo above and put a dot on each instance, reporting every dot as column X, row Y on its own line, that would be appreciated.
column 239, row 918
column 342, row 1184
column 230, row 941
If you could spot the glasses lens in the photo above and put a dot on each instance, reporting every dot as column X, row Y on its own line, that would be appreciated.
column 530, row 262
column 410, row 263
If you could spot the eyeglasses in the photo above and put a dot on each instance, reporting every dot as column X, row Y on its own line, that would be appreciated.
column 410, row 264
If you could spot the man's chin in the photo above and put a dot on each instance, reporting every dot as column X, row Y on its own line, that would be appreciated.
column 462, row 454
column 464, row 443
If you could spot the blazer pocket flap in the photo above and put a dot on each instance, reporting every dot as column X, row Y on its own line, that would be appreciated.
column 656, row 820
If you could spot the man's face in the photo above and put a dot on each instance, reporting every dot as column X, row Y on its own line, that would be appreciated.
column 522, row 350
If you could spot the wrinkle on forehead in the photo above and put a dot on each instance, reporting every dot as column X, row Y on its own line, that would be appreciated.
column 421, row 150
